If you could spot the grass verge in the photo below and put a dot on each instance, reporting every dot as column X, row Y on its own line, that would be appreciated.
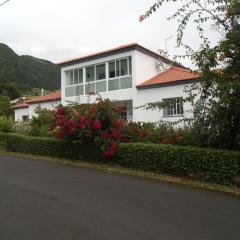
column 120, row 170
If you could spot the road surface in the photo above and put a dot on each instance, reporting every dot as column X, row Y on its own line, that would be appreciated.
column 43, row 201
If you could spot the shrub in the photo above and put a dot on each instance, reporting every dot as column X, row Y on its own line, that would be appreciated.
column 5, row 124
column 3, row 140
column 40, row 124
column 99, row 124
column 21, row 127
column 208, row 164
column 51, row 147
column 205, row 164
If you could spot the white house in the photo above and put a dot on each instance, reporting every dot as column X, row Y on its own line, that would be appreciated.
column 129, row 74
column 25, row 110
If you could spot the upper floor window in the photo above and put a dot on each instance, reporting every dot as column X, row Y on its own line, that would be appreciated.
column 96, row 78
column 174, row 107
column 74, row 76
column 74, row 82
column 120, row 67
column 90, row 74
column 101, row 71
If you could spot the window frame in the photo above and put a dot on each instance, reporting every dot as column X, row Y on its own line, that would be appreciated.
column 68, row 74
column 100, row 84
column 171, row 110
column 119, row 64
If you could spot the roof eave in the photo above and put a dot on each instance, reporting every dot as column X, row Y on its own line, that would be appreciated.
column 47, row 100
column 116, row 51
column 158, row 85
column 14, row 107
column 89, row 58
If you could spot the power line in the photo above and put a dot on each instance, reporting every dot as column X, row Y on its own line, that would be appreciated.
column 4, row 2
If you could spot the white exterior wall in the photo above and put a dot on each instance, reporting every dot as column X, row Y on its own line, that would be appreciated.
column 144, row 67
column 116, row 95
column 47, row 105
column 19, row 113
column 145, row 96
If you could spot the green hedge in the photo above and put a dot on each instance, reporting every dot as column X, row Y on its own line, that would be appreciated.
column 51, row 147
column 208, row 164
column 202, row 163
column 3, row 140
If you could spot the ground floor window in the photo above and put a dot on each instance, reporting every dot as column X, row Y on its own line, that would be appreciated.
column 123, row 113
column 174, row 107
column 25, row 118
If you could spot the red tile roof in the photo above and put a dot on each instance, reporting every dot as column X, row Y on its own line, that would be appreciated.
column 20, row 105
column 172, row 75
column 131, row 46
column 55, row 96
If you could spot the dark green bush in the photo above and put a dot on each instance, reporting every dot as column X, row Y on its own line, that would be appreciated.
column 51, row 147
column 5, row 124
column 205, row 164
column 40, row 124
column 3, row 140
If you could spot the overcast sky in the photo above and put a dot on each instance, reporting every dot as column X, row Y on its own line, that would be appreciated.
column 60, row 29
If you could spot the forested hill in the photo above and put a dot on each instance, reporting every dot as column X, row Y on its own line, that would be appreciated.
column 27, row 71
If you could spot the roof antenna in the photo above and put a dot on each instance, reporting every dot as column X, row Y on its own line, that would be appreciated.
column 166, row 42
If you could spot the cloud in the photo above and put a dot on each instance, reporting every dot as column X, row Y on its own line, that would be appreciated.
column 62, row 29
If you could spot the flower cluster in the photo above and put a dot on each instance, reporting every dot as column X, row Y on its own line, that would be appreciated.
column 141, row 18
column 99, row 123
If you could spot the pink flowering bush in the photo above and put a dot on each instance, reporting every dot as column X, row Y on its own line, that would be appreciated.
column 99, row 123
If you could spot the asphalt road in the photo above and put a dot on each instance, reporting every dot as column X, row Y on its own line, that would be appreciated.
column 42, row 201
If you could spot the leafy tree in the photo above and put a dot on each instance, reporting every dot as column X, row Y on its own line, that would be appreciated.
column 216, row 116
column 5, row 109
column 9, row 90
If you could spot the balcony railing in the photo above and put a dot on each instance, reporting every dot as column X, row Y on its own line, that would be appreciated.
column 99, row 86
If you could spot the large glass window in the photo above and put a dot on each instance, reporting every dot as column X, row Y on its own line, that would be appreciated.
column 90, row 87
column 101, row 86
column 74, row 76
column 100, row 71
column 123, row 67
column 174, row 107
column 71, row 80
column 111, row 67
column 114, row 84
column 95, row 78
column 119, row 68
column 90, row 74
column 96, row 75
column 74, row 83
column 80, row 80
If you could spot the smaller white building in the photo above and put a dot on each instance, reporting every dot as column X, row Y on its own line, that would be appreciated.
column 26, row 110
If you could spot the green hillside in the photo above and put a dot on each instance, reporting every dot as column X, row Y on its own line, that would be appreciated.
column 26, row 71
